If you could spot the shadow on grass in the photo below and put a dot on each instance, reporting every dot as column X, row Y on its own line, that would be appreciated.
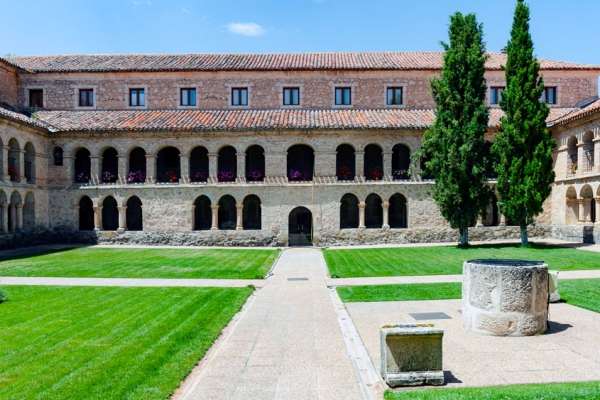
column 38, row 253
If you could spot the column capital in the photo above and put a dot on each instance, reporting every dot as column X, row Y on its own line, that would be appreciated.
column 184, row 155
column 214, row 207
column 239, row 206
column 122, row 208
column 121, row 156
column 362, row 205
column 96, row 157
column 19, row 205
column 213, row 154
column 4, row 204
column 151, row 156
column 97, row 208
column 385, row 204
column 242, row 154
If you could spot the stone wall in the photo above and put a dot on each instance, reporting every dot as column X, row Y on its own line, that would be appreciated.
column 8, row 85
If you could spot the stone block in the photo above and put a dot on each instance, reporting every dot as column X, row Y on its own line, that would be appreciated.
column 411, row 354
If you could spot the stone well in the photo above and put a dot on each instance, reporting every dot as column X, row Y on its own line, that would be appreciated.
column 505, row 297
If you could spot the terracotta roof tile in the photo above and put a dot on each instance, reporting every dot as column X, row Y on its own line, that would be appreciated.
column 579, row 113
column 15, row 116
column 257, row 62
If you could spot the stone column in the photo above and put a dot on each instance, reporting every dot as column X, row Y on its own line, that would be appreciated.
column 325, row 163
column 98, row 218
column 151, row 168
column 19, row 216
column 192, row 209
column 76, row 217
column 184, row 168
column 502, row 220
column 4, row 216
column 122, row 219
column 275, row 164
column 360, row 164
column 12, row 209
column 213, row 166
column 215, row 218
column 587, row 206
column 581, row 216
column 240, row 174
column 580, row 159
column 123, row 161
column 597, row 205
column 239, row 225
column 386, row 214
column 95, row 170
column 6, row 176
column 361, row 215
column 597, row 157
column 22, row 178
column 387, row 163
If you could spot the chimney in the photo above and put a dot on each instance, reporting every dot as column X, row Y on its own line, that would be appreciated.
column 503, row 50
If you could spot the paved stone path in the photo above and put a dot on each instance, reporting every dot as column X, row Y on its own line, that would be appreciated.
column 287, row 345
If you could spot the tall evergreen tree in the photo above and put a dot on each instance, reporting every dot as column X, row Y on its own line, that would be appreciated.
column 454, row 145
column 523, row 148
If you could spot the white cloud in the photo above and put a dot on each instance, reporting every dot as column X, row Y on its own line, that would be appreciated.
column 185, row 10
column 246, row 28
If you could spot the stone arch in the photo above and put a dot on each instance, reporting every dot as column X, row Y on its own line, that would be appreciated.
column 572, row 156
column 398, row 212
column 83, row 166
column 373, row 211
column 572, row 207
column 589, row 213
column 400, row 161
column 110, row 165
column 86, row 214
column 300, row 162
column 57, row 156
column 349, row 211
column 300, row 227
column 227, row 164
column 137, row 165
column 373, row 162
column 251, row 213
column 29, row 212
column 199, row 164
column 14, row 160
column 110, row 214
column 587, row 164
column 255, row 163
column 227, row 213
column 168, row 165
column 14, row 211
column 134, row 214
column 345, row 162
column 202, row 213
column 29, row 162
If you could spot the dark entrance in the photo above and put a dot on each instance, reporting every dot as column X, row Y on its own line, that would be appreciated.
column 300, row 227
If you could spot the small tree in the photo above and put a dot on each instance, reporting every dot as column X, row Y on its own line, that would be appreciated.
column 454, row 146
column 523, row 148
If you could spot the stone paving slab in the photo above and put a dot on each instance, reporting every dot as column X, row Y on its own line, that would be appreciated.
column 155, row 282
column 568, row 352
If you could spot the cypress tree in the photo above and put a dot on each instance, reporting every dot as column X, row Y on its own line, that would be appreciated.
column 454, row 146
column 523, row 148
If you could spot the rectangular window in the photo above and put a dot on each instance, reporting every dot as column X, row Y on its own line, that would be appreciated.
column 549, row 95
column 496, row 94
column 86, row 97
column 36, row 98
column 343, row 96
column 291, row 96
column 188, row 97
column 239, row 96
column 136, row 97
column 394, row 96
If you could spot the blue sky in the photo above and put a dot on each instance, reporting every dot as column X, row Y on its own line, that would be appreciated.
column 560, row 31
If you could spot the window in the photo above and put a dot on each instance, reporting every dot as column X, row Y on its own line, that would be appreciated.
column 343, row 96
column 86, row 97
column 239, row 96
column 394, row 96
column 291, row 96
column 36, row 98
column 137, row 97
column 496, row 95
column 549, row 95
column 188, row 97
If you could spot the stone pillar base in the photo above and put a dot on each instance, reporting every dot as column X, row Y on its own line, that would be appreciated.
column 435, row 378
column 121, row 230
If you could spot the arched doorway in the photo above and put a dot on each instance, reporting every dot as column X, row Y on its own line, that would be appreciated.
column 349, row 212
column 86, row 214
column 202, row 214
column 133, row 214
column 251, row 213
column 300, row 227
column 110, row 214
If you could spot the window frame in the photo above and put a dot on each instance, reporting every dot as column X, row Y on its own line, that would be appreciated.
column 343, row 90
column 137, row 90
column 498, row 94
column 241, row 89
column 291, row 89
column 38, row 91
column 190, row 97
column 394, row 89
column 544, row 98
column 89, row 97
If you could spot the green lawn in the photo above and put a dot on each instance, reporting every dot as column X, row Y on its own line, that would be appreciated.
column 547, row 391
column 447, row 260
column 107, row 343
column 584, row 293
column 413, row 291
column 143, row 263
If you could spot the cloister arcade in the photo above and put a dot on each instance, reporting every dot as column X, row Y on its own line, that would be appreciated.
column 582, row 206
column 15, row 213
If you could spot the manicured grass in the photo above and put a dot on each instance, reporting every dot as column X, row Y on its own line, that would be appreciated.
column 107, row 342
column 584, row 293
column 547, row 391
column 143, row 263
column 447, row 260
column 413, row 291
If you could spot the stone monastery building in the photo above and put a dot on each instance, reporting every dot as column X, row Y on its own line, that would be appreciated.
column 259, row 149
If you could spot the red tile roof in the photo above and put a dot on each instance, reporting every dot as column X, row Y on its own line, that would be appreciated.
column 579, row 113
column 257, row 62
column 15, row 116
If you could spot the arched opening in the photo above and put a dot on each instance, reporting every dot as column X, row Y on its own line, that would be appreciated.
column 133, row 214
column 57, row 155
column 588, row 152
column 29, row 163
column 300, row 227
column 400, row 162
column 110, row 165
column 349, row 211
column 587, row 194
column 373, row 163
column 13, row 211
column 137, row 166
column 29, row 212
column 227, row 164
column 572, row 158
column 168, row 168
column 86, row 214
column 300, row 163
column 397, row 218
column 110, row 214
column 572, row 209
column 345, row 162
column 82, row 166
column 251, row 213
column 199, row 164
column 14, row 160
column 373, row 212
column 227, row 213
column 202, row 214
column 255, row 164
